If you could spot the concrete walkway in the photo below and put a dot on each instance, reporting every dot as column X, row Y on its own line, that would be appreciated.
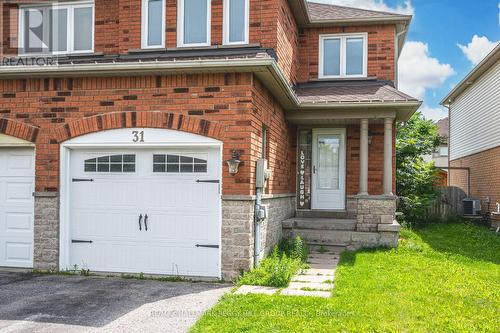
column 316, row 281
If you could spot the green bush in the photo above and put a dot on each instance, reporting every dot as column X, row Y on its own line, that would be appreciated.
column 415, row 178
column 278, row 268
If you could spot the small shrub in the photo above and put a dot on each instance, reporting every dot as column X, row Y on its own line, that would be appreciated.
column 277, row 269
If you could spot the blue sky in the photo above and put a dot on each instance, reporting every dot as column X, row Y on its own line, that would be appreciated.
column 446, row 39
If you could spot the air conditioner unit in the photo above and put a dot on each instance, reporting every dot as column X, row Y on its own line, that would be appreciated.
column 472, row 206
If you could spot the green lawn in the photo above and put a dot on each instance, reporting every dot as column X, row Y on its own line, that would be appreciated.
column 442, row 278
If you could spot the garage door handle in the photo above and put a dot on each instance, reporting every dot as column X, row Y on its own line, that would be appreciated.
column 82, row 180
column 140, row 219
column 210, row 246
column 80, row 241
column 146, row 222
column 215, row 181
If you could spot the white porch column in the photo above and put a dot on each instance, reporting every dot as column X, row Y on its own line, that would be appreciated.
column 363, row 158
column 388, row 156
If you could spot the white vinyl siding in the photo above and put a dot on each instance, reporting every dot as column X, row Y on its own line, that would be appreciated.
column 474, row 116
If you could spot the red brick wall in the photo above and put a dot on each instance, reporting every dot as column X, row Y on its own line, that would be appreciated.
column 281, row 141
column 234, row 101
column 286, row 43
column 381, row 60
column 375, row 160
column 484, row 176
column 272, row 25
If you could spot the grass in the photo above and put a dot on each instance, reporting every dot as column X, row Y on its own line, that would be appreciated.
column 442, row 278
column 278, row 269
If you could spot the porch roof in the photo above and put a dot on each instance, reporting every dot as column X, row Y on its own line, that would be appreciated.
column 362, row 91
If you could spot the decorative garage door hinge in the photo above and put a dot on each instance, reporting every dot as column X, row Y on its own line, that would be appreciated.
column 216, row 181
column 80, row 241
column 82, row 180
column 210, row 246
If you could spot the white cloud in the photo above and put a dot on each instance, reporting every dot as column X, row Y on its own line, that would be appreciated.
column 419, row 71
column 478, row 48
column 433, row 113
column 499, row 13
column 402, row 8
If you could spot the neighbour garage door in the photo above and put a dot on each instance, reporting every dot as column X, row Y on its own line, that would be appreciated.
column 16, row 207
column 146, row 210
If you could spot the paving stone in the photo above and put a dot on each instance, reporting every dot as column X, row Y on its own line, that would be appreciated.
column 246, row 289
column 328, row 266
column 323, row 256
column 312, row 278
column 310, row 285
column 294, row 292
column 318, row 271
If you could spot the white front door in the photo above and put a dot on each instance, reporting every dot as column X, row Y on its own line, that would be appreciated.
column 17, row 176
column 328, row 169
column 150, row 210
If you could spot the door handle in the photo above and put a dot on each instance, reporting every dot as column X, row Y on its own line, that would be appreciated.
column 140, row 219
column 314, row 169
column 146, row 222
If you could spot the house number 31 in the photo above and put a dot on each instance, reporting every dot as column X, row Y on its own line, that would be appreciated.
column 137, row 136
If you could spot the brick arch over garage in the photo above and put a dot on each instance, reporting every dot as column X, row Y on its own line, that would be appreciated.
column 148, row 119
column 18, row 129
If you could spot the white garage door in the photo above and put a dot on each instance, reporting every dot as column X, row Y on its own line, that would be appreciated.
column 16, row 207
column 146, row 210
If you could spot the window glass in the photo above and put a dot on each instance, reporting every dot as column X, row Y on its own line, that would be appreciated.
column 62, row 28
column 178, row 163
column 331, row 56
column 237, row 20
column 59, row 27
column 155, row 20
column 33, row 31
column 195, row 21
column 83, row 29
column 113, row 163
column 354, row 56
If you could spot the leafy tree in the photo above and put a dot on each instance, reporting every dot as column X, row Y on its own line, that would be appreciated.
column 415, row 178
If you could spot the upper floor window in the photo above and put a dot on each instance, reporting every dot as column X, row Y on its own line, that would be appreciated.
column 59, row 28
column 153, row 23
column 343, row 56
column 236, row 25
column 193, row 27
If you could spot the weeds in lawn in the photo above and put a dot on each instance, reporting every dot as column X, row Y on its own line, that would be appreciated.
column 277, row 269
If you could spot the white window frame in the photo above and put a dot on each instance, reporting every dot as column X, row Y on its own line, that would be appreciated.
column 70, row 7
column 145, row 25
column 180, row 25
column 343, row 54
column 226, row 32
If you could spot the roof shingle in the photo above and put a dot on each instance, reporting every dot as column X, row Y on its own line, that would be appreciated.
column 350, row 92
column 322, row 12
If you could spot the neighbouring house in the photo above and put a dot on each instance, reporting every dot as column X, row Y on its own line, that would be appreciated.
column 440, row 155
column 474, row 139
column 187, row 137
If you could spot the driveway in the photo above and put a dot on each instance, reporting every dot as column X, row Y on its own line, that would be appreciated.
column 51, row 303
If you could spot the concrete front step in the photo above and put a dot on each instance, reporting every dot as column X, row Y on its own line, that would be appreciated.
column 319, row 224
column 335, row 214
